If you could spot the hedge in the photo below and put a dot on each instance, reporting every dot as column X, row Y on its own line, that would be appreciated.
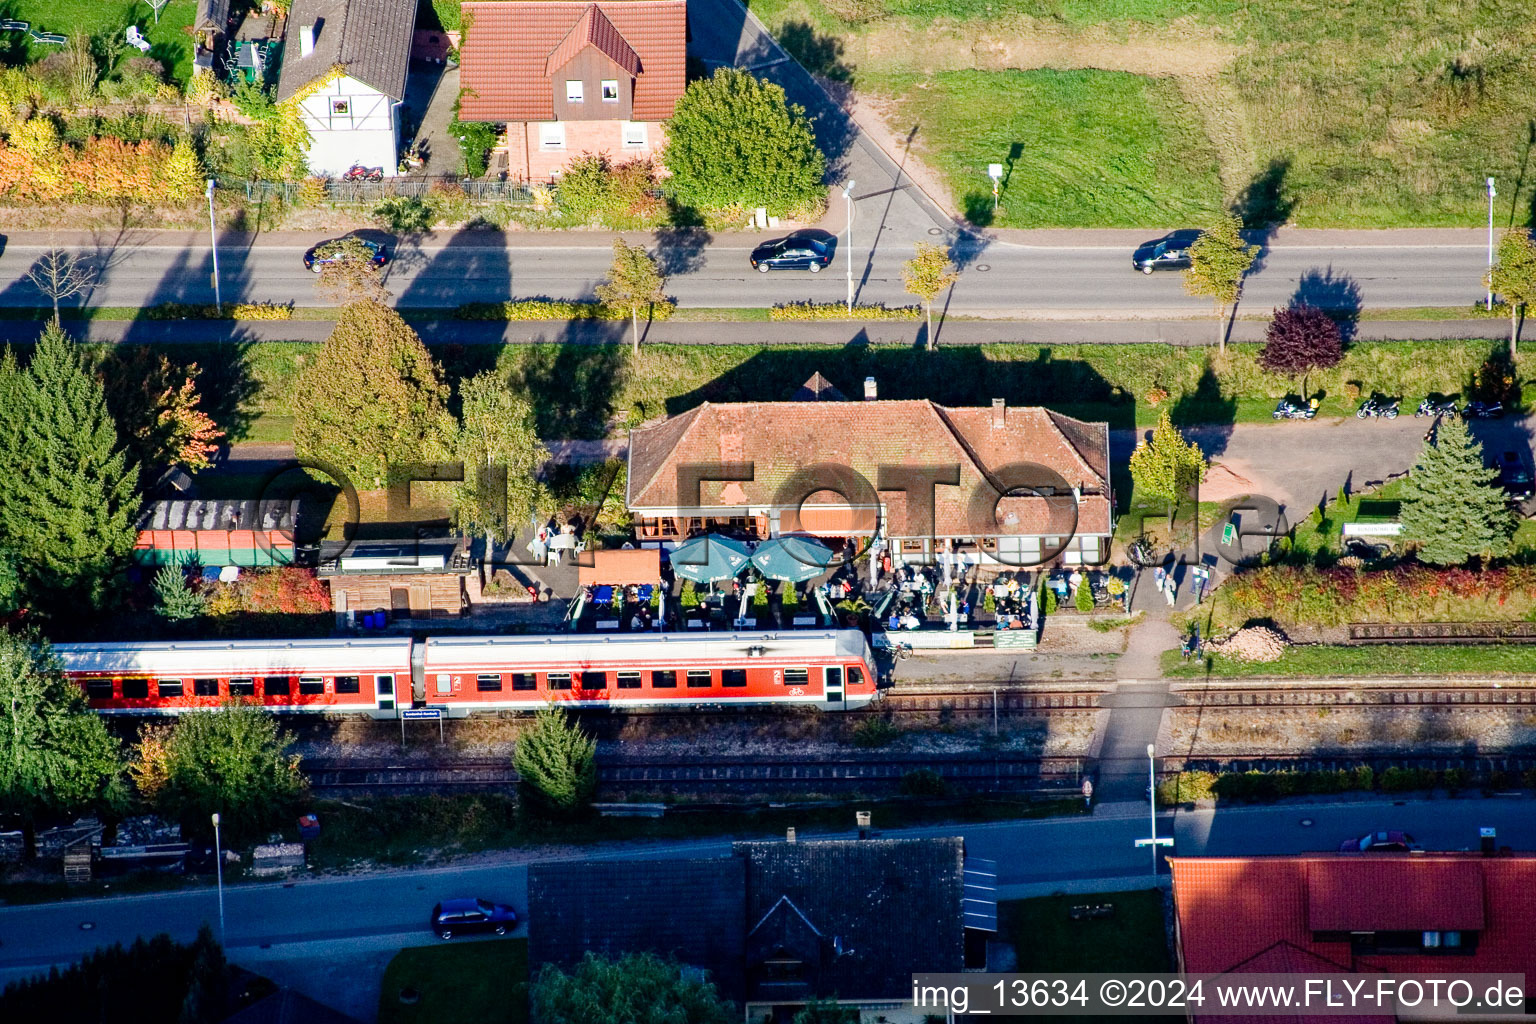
column 237, row 311
column 1186, row 787
column 554, row 309
column 840, row 311
column 1309, row 596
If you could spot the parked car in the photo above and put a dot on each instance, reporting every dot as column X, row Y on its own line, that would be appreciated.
column 1386, row 841
column 799, row 251
column 1168, row 253
column 1514, row 477
column 468, row 917
column 338, row 249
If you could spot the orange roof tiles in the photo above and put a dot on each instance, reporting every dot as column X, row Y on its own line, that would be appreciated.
column 510, row 48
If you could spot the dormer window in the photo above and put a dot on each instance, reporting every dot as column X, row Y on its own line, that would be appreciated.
column 610, row 90
column 573, row 91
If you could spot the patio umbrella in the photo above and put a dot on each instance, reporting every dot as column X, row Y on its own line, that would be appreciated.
column 795, row 559
column 709, row 558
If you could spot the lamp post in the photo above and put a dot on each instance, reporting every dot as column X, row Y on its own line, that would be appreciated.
column 848, row 259
column 218, row 864
column 1154, row 842
column 213, row 241
column 1491, row 194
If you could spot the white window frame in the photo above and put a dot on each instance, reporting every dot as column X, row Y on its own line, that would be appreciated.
column 575, row 90
column 609, row 85
column 633, row 135
column 551, row 135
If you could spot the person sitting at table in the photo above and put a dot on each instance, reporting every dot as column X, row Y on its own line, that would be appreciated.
column 909, row 621
column 894, row 622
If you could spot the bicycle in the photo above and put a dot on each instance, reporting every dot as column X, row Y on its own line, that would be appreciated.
column 901, row 651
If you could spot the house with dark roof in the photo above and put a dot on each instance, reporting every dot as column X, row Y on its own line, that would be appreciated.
column 209, row 26
column 566, row 78
column 775, row 924
column 1018, row 484
column 344, row 65
column 1387, row 913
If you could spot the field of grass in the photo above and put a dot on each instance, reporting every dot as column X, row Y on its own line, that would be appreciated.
column 1367, row 660
column 169, row 42
column 1099, row 148
column 1373, row 113
column 486, row 982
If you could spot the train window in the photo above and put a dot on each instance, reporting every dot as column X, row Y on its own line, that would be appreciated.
column 135, row 689
column 349, row 684
column 488, row 682
column 275, row 686
column 629, row 680
column 698, row 678
column 797, row 677
column 594, row 680
column 242, row 686
column 98, row 689
column 855, row 677
column 559, row 680
column 170, row 687
column 664, row 679
column 311, row 684
column 733, row 677
column 524, row 681
column 205, row 687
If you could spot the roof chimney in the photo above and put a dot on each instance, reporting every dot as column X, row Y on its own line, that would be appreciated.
column 871, row 390
column 306, row 40
column 999, row 413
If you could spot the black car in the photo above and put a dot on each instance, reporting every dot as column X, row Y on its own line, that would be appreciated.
column 1514, row 477
column 467, row 917
column 1170, row 253
column 342, row 248
column 799, row 251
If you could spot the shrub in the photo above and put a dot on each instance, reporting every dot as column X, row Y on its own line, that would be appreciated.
column 553, row 309
column 875, row 732
column 1084, row 598
column 449, row 203
column 1186, row 787
column 924, row 782
column 839, row 311
column 404, row 214
column 1048, row 603
column 312, row 192
column 237, row 311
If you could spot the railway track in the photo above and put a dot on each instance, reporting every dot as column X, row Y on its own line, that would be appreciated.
column 1358, row 696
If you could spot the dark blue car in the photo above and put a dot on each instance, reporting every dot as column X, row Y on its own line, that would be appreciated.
column 799, row 251
column 469, row 917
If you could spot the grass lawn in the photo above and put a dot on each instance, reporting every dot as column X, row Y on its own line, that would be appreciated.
column 485, row 982
column 1099, row 148
column 169, row 42
column 1368, row 660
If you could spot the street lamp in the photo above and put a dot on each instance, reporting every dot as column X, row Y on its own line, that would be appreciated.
column 1491, row 194
column 218, row 857
column 1154, row 842
column 848, row 259
column 218, row 300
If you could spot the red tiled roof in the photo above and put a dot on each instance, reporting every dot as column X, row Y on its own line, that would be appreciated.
column 1232, row 909
column 781, row 439
column 510, row 48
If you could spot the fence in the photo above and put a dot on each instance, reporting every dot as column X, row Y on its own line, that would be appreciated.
column 371, row 192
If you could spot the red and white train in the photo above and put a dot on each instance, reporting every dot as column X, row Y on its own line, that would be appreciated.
column 828, row 669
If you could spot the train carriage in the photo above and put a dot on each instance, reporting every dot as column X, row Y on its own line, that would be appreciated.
column 362, row 675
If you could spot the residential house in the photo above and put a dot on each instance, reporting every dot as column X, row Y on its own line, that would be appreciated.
column 1018, row 484
column 567, row 78
column 775, row 924
column 1344, row 913
column 344, row 62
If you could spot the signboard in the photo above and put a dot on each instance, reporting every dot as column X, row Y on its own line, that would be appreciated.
column 1373, row 529
column 1228, row 533
column 994, row 171
column 422, row 713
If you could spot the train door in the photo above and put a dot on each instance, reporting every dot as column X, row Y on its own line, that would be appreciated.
column 834, row 691
column 384, row 691
column 418, row 673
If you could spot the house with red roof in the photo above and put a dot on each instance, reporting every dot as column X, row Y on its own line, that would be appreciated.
column 565, row 78
column 1025, row 485
column 1387, row 913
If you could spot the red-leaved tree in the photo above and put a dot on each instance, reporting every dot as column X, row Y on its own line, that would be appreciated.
column 1301, row 339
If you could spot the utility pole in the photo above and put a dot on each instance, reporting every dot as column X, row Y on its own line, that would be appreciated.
column 1491, row 194
column 1154, row 842
column 848, row 257
column 218, row 861
column 213, row 241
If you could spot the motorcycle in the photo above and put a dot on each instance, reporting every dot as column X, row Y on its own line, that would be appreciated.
column 1430, row 407
column 357, row 172
column 1377, row 407
column 1288, row 410
column 1484, row 411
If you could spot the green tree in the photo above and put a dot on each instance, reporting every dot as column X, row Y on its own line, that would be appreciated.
column 926, row 275
column 1083, row 600
column 233, row 760
column 638, row 988
column 174, row 600
column 1513, row 278
column 826, row 1011
column 1452, row 505
column 55, row 753
column 67, row 507
column 733, row 139
column 207, row 995
column 500, row 448
column 373, row 398
column 1168, row 466
column 556, row 762
column 1217, row 262
column 634, row 282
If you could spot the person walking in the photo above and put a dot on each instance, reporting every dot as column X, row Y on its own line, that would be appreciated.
column 1172, row 590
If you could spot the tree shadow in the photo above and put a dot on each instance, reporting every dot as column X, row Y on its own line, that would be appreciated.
column 586, row 361
column 818, row 53
column 1263, row 206
column 1216, row 413
column 1338, row 295
column 680, row 250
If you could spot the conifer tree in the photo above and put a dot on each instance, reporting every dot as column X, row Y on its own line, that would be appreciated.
column 1452, row 505
column 556, row 762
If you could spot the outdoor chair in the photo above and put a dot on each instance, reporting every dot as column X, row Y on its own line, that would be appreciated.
column 136, row 39
column 15, row 26
column 50, row 38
